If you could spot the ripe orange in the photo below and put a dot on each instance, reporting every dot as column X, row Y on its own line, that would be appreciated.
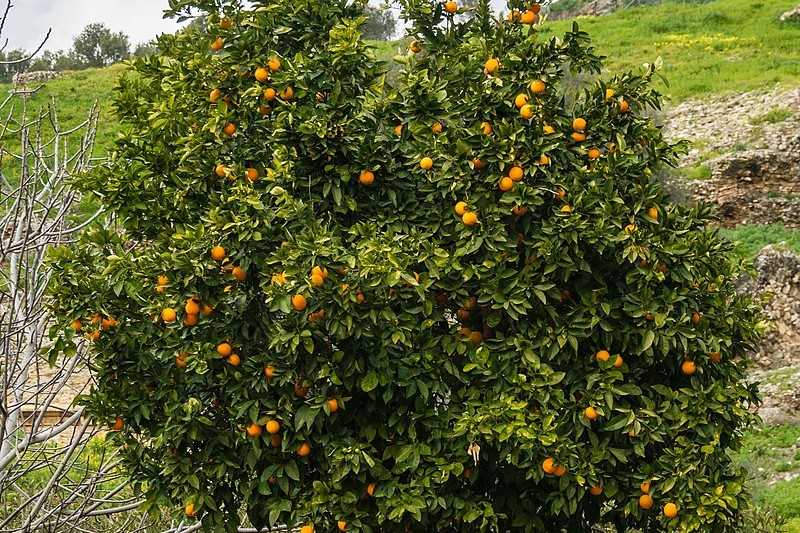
column 536, row 8
column 696, row 318
column 486, row 128
column 234, row 359
column 415, row 47
column 224, row 349
column 206, row 310
column 460, row 208
column 469, row 219
column 670, row 510
column 192, row 307
column 547, row 129
column 521, row 100
column 299, row 302
column 437, row 127
column 189, row 510
column 239, row 273
column 451, row 7
column 426, row 163
column 270, row 94
column 594, row 153
column 181, row 359
column 274, row 64
column 579, row 124
column 491, row 66
column 269, row 372
column 578, row 137
column 529, row 17
column 279, row 278
column 566, row 209
column 220, row 170
column 367, row 177
column 168, row 315
column 560, row 471
column 602, row 356
column 715, row 357
column 624, row 106
column 478, row 164
column 287, row 93
column 590, row 413
column 119, row 423
column 688, row 367
column 320, row 271
column 596, row 490
column 342, row 525
column 645, row 487
column 262, row 74
column 215, row 95
column 307, row 529
column 609, row 93
column 252, row 175
column 76, row 325
column 304, row 450
column 526, row 112
column 618, row 362
column 538, row 87
column 333, row 405
column 516, row 173
column 94, row 336
column 317, row 280
column 253, row 431
column 544, row 160
column 360, row 298
column 229, row 129
column 276, row 440
column 646, row 502
column 273, row 427
column 218, row 44
column 371, row 489
column 653, row 213
column 549, row 466
column 191, row 320
column 163, row 279
column 398, row 130
column 506, row 184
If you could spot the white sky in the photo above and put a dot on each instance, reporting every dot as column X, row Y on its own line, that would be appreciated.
column 141, row 20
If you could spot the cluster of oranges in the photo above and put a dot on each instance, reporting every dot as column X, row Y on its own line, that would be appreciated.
column 99, row 323
column 646, row 501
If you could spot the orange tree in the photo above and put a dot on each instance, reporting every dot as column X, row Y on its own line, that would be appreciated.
column 461, row 302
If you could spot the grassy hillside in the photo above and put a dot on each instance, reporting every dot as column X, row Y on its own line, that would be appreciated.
column 714, row 47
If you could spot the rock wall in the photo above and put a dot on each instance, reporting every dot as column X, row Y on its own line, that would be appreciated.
column 35, row 77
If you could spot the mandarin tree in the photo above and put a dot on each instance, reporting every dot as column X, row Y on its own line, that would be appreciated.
column 460, row 302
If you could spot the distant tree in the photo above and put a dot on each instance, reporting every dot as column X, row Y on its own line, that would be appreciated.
column 98, row 46
column 380, row 24
column 146, row 49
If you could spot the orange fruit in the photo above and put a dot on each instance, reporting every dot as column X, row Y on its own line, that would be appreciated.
column 549, row 466
column 119, row 423
column 367, row 177
column 670, row 510
column 536, row 8
column 273, row 427
column 594, row 153
column 590, row 413
column 333, row 405
column 618, row 362
column 624, row 106
column 506, row 184
column 206, row 310
column 275, row 440
column 478, row 164
column 696, row 318
column 220, row 170
column 274, row 64
column 307, row 529
column 269, row 372
column 76, row 325
column 252, row 174
column 234, row 360
column 189, row 510
column 287, row 93
column 229, row 129
column 526, row 112
column 191, row 320
column 163, row 279
column 521, row 100
column 596, row 490
column 279, row 278
column 688, row 367
column 360, row 298
column 516, row 173
column 469, row 218
column 579, row 124
column 602, row 356
column 181, row 360
column 491, row 66
column 270, row 94
column 94, row 336
column 578, row 137
column 218, row 44
column 398, row 130
column 304, row 450
column 566, row 209
column 415, row 47
column 630, row 229
column 715, row 357
column 317, row 280
column 475, row 337
column 215, row 95
column 239, row 273
column 519, row 210
column 426, row 163
column 486, row 128
column 646, row 502
column 547, row 129
column 653, row 213
column 560, row 471
column 192, row 307
column 460, row 208
column 645, row 487
column 168, row 315
column 262, row 74
column 320, row 271
column 544, row 160
column 371, row 488
column 299, row 302
column 451, row 7
column 528, row 17
column 538, row 87
column 224, row 349
column 341, row 525
column 253, row 431
column 437, row 127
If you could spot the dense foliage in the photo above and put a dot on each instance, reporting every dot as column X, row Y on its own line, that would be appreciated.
column 459, row 303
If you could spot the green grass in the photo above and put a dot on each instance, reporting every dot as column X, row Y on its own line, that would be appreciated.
column 767, row 452
column 721, row 46
column 697, row 172
column 773, row 116
column 750, row 239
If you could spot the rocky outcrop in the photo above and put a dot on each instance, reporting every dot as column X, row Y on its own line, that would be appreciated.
column 38, row 76
column 793, row 15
